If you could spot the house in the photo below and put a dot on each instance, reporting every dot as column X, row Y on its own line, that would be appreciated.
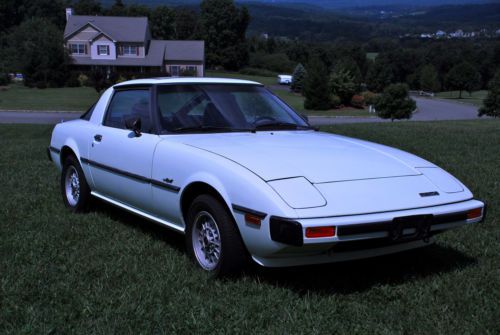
column 125, row 44
column 440, row 34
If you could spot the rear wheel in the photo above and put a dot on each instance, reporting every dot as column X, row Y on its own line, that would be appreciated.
column 74, row 188
column 212, row 239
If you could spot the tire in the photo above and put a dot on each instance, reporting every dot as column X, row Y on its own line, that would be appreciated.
column 209, row 225
column 74, row 188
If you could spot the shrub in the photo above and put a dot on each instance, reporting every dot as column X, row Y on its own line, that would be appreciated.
column 41, row 85
column 370, row 97
column 491, row 105
column 188, row 73
column 357, row 101
column 335, row 101
column 394, row 103
column 4, row 79
column 73, row 80
column 251, row 71
column 84, row 80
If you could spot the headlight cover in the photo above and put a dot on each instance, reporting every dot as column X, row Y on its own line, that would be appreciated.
column 298, row 193
column 442, row 179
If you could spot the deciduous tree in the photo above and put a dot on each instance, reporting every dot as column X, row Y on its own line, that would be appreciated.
column 342, row 84
column 429, row 80
column 463, row 77
column 223, row 27
column 394, row 103
column 162, row 22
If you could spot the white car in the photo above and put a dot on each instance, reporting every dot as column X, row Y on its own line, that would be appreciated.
column 284, row 79
column 232, row 167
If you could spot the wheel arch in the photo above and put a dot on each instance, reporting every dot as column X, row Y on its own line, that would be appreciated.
column 66, row 151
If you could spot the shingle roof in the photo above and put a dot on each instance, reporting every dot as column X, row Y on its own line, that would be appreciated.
column 122, row 29
column 185, row 50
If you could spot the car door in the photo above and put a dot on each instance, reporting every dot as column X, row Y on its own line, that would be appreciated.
column 120, row 160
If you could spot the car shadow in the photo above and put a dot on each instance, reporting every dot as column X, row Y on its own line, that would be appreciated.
column 361, row 275
column 335, row 278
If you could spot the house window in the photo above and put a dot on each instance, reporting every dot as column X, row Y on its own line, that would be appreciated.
column 103, row 50
column 130, row 50
column 175, row 71
column 77, row 49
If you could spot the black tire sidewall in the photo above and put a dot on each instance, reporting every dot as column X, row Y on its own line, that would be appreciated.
column 233, row 252
column 84, row 198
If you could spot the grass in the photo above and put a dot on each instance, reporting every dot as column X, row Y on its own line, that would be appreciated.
column 371, row 55
column 110, row 272
column 19, row 97
column 476, row 98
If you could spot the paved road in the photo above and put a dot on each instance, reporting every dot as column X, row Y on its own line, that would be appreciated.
column 428, row 110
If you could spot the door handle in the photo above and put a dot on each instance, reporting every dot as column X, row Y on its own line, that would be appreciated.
column 98, row 138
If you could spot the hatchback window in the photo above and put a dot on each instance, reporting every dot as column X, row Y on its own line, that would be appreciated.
column 127, row 105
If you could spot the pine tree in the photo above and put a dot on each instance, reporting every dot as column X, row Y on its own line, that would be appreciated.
column 316, row 88
column 491, row 105
column 298, row 78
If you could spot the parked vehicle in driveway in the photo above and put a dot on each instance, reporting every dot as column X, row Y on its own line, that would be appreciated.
column 232, row 167
column 284, row 79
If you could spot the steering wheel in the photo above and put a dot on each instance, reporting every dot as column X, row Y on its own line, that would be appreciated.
column 260, row 119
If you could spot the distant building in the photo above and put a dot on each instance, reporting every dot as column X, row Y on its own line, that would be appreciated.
column 125, row 44
column 440, row 34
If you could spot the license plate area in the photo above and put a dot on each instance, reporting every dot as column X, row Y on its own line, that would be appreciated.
column 419, row 227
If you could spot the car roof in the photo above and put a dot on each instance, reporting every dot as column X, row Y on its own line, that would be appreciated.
column 185, row 80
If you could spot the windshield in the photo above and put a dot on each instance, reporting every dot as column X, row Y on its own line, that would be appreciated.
column 218, row 107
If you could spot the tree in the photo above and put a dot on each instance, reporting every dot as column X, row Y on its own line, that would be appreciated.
column 186, row 23
column 394, row 103
column 379, row 75
column 298, row 78
column 429, row 80
column 118, row 9
column 463, row 77
column 36, row 49
column 162, row 23
column 88, row 7
column 316, row 88
column 223, row 27
column 491, row 105
column 342, row 84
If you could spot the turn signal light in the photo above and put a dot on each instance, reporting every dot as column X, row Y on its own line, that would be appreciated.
column 252, row 219
column 315, row 232
column 474, row 213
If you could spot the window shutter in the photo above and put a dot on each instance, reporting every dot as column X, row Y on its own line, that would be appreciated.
column 85, row 47
column 137, row 50
column 107, row 49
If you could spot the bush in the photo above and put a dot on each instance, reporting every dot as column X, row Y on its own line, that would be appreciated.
column 358, row 101
column 394, row 103
column 84, row 80
column 188, row 73
column 73, row 80
column 4, row 79
column 370, row 97
column 272, row 62
column 41, row 85
column 251, row 71
column 335, row 101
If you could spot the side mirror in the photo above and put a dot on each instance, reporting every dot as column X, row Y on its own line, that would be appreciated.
column 134, row 124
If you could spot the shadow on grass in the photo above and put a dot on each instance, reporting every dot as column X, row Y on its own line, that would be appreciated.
column 361, row 275
column 156, row 231
column 340, row 278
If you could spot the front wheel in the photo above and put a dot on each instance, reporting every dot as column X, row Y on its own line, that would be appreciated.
column 212, row 239
column 74, row 188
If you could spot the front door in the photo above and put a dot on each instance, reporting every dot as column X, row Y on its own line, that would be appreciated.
column 120, row 161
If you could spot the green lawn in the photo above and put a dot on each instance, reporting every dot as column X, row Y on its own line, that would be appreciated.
column 110, row 272
column 371, row 55
column 19, row 97
column 476, row 98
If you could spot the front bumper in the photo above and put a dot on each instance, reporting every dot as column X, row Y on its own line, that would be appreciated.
column 362, row 236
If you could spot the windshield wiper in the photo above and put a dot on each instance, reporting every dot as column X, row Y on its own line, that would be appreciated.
column 281, row 125
column 207, row 128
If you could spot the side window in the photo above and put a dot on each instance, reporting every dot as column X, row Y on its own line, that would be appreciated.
column 86, row 116
column 128, row 104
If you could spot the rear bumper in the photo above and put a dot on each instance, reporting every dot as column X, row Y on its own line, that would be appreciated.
column 363, row 236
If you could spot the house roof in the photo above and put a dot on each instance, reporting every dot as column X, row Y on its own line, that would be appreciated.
column 185, row 50
column 122, row 29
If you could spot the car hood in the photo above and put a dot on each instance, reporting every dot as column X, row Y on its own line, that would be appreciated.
column 319, row 157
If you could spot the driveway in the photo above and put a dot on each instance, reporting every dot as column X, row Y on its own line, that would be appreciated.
column 428, row 110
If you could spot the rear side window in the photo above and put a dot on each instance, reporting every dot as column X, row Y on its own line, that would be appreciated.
column 129, row 104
